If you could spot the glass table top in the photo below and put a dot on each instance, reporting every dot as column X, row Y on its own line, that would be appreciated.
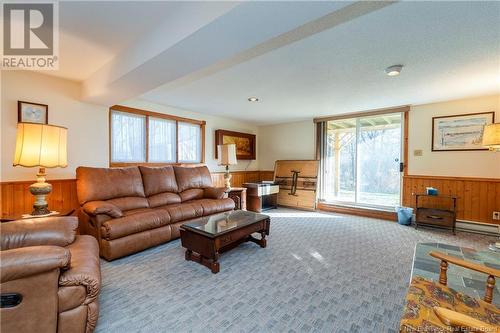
column 222, row 223
column 461, row 279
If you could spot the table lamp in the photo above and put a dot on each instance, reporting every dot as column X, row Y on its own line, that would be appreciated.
column 43, row 146
column 491, row 137
column 227, row 157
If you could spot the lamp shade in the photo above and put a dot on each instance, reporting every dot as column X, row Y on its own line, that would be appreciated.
column 491, row 136
column 227, row 154
column 39, row 145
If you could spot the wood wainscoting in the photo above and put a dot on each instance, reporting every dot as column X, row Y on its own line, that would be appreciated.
column 477, row 198
column 15, row 197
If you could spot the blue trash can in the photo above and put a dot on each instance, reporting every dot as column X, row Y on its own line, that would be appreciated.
column 405, row 215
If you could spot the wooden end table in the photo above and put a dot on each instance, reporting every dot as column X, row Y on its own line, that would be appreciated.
column 239, row 196
column 207, row 237
column 430, row 216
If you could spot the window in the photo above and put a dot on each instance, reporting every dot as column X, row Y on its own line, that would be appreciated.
column 129, row 137
column 189, row 143
column 162, row 147
column 360, row 160
column 143, row 137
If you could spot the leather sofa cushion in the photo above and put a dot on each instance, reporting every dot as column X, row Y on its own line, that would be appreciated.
column 116, row 248
column 134, row 223
column 85, row 267
column 198, row 208
column 184, row 211
column 191, row 194
column 214, row 206
column 214, row 192
column 158, row 180
column 198, row 177
column 129, row 203
column 95, row 184
column 162, row 199
column 57, row 231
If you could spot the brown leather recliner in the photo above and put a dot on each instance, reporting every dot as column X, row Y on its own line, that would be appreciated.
column 50, row 277
column 131, row 209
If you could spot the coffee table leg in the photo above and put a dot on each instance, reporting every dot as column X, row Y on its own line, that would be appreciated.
column 188, row 254
column 214, row 266
column 263, row 241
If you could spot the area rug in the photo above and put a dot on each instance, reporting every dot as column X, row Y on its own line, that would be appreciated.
column 319, row 273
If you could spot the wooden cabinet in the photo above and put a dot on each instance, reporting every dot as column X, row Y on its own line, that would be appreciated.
column 435, row 211
column 298, row 181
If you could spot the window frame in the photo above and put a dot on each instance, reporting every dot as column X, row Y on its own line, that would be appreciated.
column 148, row 114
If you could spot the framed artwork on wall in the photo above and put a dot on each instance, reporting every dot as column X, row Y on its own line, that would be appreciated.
column 28, row 112
column 460, row 132
column 245, row 143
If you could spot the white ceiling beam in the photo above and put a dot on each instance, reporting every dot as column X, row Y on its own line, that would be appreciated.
column 220, row 36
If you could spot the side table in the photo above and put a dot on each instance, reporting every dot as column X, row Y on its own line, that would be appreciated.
column 429, row 215
column 239, row 196
column 10, row 218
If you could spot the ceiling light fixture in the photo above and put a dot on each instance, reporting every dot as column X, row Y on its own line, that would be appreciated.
column 394, row 70
column 253, row 99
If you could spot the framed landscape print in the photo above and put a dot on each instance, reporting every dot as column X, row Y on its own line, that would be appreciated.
column 460, row 132
column 245, row 143
column 28, row 112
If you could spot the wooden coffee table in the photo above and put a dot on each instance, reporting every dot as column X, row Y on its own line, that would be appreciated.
column 206, row 237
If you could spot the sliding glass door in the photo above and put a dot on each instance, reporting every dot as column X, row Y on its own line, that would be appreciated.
column 361, row 160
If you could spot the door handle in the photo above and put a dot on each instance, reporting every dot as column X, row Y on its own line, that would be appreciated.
column 401, row 167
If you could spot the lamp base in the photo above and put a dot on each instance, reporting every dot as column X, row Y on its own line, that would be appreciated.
column 40, row 190
column 227, row 179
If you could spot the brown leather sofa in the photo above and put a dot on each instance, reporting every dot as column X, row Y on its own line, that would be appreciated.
column 131, row 209
column 50, row 277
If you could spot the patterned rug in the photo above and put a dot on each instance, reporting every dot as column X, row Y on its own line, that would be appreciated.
column 319, row 273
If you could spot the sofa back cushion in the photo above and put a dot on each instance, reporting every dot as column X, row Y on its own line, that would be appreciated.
column 188, row 178
column 108, row 183
column 158, row 180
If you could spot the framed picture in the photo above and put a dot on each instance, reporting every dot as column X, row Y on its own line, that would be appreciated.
column 28, row 112
column 245, row 143
column 460, row 132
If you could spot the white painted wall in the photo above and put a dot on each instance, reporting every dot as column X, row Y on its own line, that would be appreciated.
column 213, row 123
column 87, row 124
column 291, row 141
column 456, row 163
column 297, row 141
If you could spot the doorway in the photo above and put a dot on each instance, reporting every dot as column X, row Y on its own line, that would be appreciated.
column 362, row 160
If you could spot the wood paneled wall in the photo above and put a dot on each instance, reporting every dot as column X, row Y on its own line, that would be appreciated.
column 15, row 197
column 477, row 198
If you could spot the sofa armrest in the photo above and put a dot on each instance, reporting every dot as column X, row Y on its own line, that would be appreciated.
column 463, row 322
column 85, row 267
column 214, row 192
column 27, row 261
column 56, row 231
column 102, row 207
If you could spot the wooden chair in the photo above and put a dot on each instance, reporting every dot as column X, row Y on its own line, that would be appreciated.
column 434, row 307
